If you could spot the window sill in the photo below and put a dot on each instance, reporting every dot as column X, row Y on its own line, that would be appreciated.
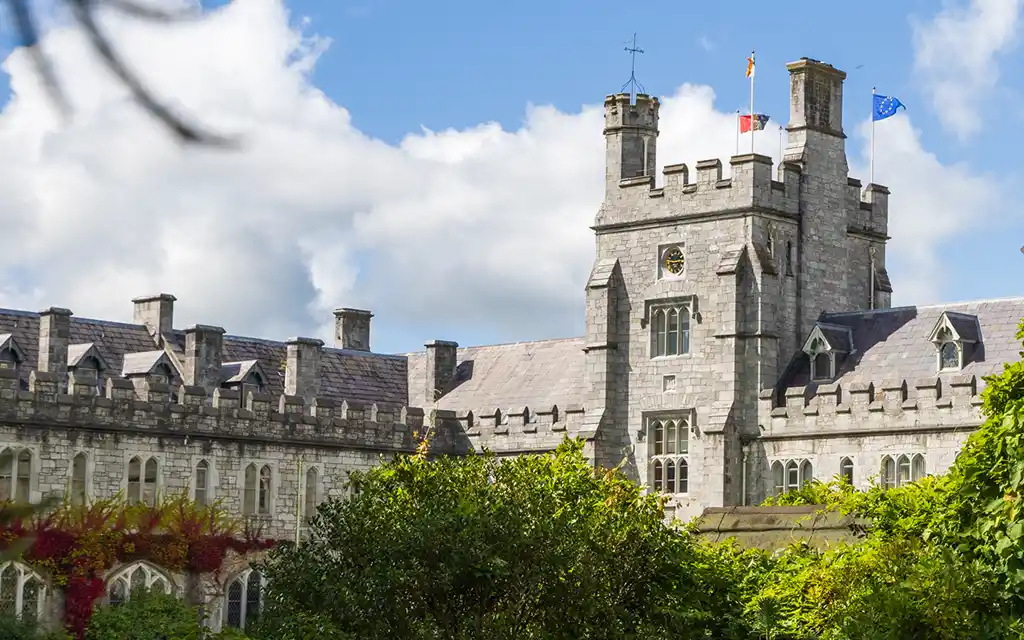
column 677, row 356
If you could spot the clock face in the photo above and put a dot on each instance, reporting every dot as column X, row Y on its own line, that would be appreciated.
column 674, row 261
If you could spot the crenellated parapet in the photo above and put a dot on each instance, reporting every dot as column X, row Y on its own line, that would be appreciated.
column 158, row 409
column 869, row 207
column 935, row 403
column 522, row 428
column 706, row 191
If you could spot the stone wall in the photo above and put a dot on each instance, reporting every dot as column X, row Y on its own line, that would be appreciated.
column 146, row 422
column 773, row 528
column 864, row 422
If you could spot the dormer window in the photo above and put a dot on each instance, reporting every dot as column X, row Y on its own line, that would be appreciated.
column 823, row 347
column 11, row 354
column 953, row 335
column 245, row 377
column 161, row 374
column 86, row 358
column 822, row 369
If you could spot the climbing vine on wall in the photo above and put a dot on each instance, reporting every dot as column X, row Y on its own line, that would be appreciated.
column 77, row 545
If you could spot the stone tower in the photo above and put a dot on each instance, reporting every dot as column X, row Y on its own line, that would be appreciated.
column 703, row 288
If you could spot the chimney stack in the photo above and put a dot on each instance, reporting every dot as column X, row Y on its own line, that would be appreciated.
column 54, row 335
column 352, row 329
column 204, row 354
column 442, row 359
column 156, row 313
column 302, row 368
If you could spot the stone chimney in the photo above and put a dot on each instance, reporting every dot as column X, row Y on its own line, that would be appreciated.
column 204, row 354
column 156, row 313
column 442, row 358
column 302, row 368
column 352, row 329
column 54, row 334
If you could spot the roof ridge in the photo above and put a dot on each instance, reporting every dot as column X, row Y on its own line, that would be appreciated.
column 509, row 344
column 943, row 305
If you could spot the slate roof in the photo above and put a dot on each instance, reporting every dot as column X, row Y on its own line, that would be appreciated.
column 347, row 375
column 892, row 344
column 522, row 374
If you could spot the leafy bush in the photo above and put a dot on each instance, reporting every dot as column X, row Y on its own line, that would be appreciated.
column 474, row 547
column 152, row 616
column 11, row 628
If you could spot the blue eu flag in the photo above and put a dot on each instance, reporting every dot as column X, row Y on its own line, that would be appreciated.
column 885, row 107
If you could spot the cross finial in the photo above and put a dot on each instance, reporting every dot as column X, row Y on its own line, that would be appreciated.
column 634, row 85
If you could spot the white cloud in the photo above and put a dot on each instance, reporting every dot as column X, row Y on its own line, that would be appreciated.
column 476, row 227
column 957, row 53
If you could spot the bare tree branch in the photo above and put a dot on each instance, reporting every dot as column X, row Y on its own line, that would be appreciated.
column 84, row 12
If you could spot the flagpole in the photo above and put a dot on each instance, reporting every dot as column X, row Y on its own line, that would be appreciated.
column 871, row 154
column 752, row 74
column 737, row 132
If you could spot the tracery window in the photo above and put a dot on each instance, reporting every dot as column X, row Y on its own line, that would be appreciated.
column 669, row 446
column 22, row 592
column 790, row 475
column 244, row 599
column 256, row 497
column 902, row 469
column 133, row 579
column 16, row 474
column 670, row 331
column 142, row 480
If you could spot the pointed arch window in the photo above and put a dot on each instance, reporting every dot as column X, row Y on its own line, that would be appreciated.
column 134, row 578
column 917, row 468
column 22, row 592
column 244, row 599
column 79, row 474
column 202, row 483
column 791, row 475
column 142, row 480
column 888, row 472
column 16, row 475
column 846, row 470
column 311, row 497
column 669, row 447
column 256, row 498
column 670, row 331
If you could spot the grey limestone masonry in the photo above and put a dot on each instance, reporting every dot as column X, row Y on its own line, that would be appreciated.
column 748, row 310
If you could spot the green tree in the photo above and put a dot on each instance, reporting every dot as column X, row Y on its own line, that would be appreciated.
column 540, row 546
column 152, row 615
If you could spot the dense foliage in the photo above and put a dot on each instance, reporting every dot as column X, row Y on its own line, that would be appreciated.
column 547, row 547
column 152, row 616
column 531, row 547
column 76, row 545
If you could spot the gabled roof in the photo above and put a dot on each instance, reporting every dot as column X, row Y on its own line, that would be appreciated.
column 7, row 341
column 836, row 337
column 896, row 343
column 964, row 327
column 354, row 376
column 521, row 374
column 79, row 352
column 233, row 372
column 144, row 363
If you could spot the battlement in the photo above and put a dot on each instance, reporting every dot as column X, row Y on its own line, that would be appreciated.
column 621, row 111
column 750, row 185
column 522, row 428
column 147, row 407
column 864, row 407
column 869, row 207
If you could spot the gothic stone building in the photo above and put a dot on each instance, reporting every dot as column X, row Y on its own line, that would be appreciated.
column 739, row 342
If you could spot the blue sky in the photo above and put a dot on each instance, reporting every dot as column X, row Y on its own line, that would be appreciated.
column 399, row 66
